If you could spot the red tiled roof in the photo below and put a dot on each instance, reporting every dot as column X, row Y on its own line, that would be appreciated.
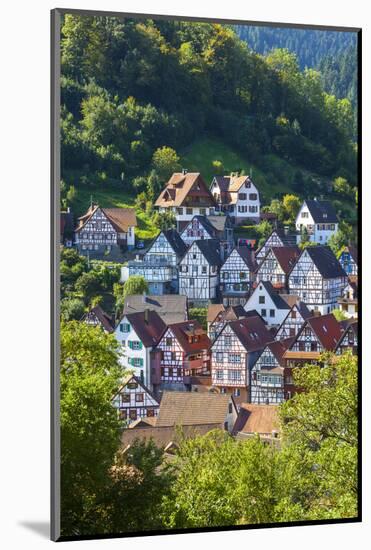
column 286, row 256
column 327, row 329
column 148, row 325
column 187, row 330
column 252, row 332
column 181, row 186
column 260, row 419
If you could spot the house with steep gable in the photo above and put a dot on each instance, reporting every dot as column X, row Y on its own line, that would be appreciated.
column 217, row 319
column 237, row 196
column 268, row 303
column 349, row 260
column 138, row 334
column 349, row 339
column 318, row 279
column 186, row 195
column 134, row 400
column 237, row 276
column 318, row 335
column 234, row 352
column 267, row 374
column 318, row 219
column 210, row 227
column 199, row 272
column 276, row 239
column 105, row 231
column 159, row 265
column 276, row 266
column 96, row 316
column 293, row 321
column 182, row 351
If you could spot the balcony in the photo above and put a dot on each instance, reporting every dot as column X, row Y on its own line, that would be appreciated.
column 153, row 273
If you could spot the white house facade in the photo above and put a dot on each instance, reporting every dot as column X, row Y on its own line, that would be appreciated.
column 265, row 300
column 237, row 276
column 238, row 196
column 134, row 401
column 318, row 219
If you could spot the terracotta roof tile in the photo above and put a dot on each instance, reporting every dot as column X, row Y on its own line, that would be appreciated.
column 260, row 419
column 187, row 408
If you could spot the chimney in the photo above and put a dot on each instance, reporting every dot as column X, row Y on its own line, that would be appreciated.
column 184, row 171
column 144, row 297
column 146, row 315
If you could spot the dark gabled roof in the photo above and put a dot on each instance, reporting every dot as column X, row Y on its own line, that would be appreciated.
column 210, row 248
column 276, row 298
column 175, row 241
column 352, row 325
column 325, row 261
column 248, row 256
column 327, row 329
column 286, row 256
column 172, row 308
column 353, row 251
column 148, row 325
column 303, row 310
column 223, row 182
column 192, row 408
column 260, row 419
column 205, row 222
column 287, row 240
column 322, row 211
column 104, row 319
column 189, row 329
column 278, row 347
column 251, row 332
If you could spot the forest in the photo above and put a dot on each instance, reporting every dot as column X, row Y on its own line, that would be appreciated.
column 141, row 98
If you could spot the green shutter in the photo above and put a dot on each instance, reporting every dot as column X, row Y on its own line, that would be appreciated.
column 140, row 345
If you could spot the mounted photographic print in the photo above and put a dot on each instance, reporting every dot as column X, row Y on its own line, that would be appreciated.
column 205, row 192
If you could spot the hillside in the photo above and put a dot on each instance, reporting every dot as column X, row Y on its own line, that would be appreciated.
column 141, row 99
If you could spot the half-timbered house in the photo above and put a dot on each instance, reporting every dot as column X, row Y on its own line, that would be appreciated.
column 233, row 353
column 199, row 272
column 237, row 276
column 268, row 303
column 238, row 196
column 223, row 316
column 138, row 334
column 349, row 260
column 318, row 334
column 159, row 265
column 211, row 227
column 182, row 351
column 318, row 219
column 276, row 239
column 98, row 317
column 349, row 339
column 134, row 400
column 102, row 231
column 267, row 374
column 348, row 302
column 186, row 195
column 318, row 279
column 293, row 322
column 276, row 266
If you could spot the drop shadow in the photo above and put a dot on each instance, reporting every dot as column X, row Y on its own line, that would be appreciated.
column 42, row 528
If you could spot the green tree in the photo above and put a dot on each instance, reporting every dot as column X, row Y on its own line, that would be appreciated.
column 72, row 308
column 89, row 376
column 342, row 187
column 164, row 220
column 218, row 167
column 339, row 315
column 89, row 284
column 199, row 314
column 165, row 161
column 291, row 205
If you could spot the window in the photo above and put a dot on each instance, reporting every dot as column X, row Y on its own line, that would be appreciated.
column 253, row 196
column 173, row 355
column 184, row 268
column 191, row 282
column 139, row 397
column 242, row 196
column 235, row 375
column 219, row 356
column 243, row 275
column 123, row 414
column 305, row 214
column 219, row 374
column 292, row 331
column 180, row 211
column 293, row 314
column 261, row 299
column 264, row 312
column 313, row 346
column 194, row 256
column 225, row 275
column 189, row 211
column 236, row 392
column 150, row 412
column 272, row 313
column 223, row 390
column 135, row 361
column 194, row 270
column 301, row 346
column 124, row 327
column 179, row 372
column 203, row 211
column 227, row 340
column 169, row 341
column 135, row 344
column 204, row 270
column 247, row 185
column 230, row 408
column 234, row 358
column 133, row 414
column 125, row 398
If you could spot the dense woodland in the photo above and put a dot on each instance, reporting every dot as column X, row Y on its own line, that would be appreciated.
column 139, row 95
